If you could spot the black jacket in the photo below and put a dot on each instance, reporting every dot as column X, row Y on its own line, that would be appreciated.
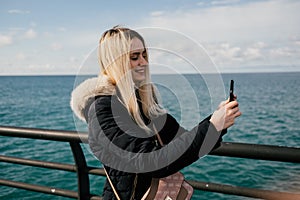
column 126, row 149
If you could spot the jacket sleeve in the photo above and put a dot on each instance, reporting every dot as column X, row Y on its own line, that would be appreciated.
column 121, row 144
column 199, row 141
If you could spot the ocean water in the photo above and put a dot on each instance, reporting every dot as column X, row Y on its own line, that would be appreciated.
column 269, row 103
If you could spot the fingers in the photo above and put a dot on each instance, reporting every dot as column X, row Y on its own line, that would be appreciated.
column 232, row 104
column 235, row 97
column 237, row 114
column 232, row 112
column 223, row 103
column 225, row 115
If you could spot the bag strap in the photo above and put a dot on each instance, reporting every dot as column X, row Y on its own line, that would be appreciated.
column 111, row 184
column 109, row 180
column 114, row 189
column 158, row 136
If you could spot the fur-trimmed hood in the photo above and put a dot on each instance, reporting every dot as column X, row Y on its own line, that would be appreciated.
column 89, row 88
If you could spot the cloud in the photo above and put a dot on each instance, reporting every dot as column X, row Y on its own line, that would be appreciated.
column 240, row 34
column 56, row 46
column 32, row 24
column 297, row 43
column 255, row 51
column 21, row 56
column 62, row 29
column 252, row 53
column 36, row 68
column 282, row 52
column 30, row 34
column 252, row 21
column 234, row 33
column 226, row 54
column 224, row 2
column 157, row 13
column 73, row 59
column 17, row 11
column 5, row 40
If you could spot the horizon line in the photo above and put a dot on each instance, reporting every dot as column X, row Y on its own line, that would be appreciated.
column 187, row 73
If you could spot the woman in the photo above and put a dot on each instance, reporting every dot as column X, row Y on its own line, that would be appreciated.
column 126, row 122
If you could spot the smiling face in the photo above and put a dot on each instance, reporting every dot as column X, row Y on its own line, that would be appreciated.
column 138, row 60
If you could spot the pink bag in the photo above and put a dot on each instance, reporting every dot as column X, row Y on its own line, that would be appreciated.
column 172, row 187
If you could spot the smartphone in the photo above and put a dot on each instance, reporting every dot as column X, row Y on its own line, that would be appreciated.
column 231, row 95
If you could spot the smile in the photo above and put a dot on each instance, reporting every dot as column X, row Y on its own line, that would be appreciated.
column 139, row 70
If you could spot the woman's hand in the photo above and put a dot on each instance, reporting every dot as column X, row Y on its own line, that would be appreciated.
column 225, row 115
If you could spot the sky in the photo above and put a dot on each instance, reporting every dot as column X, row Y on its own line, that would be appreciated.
column 61, row 36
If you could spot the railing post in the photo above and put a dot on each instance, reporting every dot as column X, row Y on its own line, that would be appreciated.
column 83, row 181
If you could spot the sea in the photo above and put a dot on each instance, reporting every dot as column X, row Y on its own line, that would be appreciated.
column 269, row 102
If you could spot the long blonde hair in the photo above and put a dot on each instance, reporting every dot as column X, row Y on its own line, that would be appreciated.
column 114, row 60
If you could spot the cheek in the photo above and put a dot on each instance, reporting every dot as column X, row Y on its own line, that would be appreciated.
column 133, row 63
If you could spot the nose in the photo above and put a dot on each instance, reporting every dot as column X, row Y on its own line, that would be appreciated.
column 142, row 61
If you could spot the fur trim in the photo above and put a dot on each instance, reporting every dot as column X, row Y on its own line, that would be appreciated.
column 89, row 88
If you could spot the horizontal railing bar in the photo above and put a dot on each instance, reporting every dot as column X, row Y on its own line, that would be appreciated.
column 228, row 189
column 259, row 152
column 213, row 187
column 49, row 165
column 241, row 150
column 44, row 134
column 37, row 163
column 39, row 188
column 96, row 171
column 242, row 191
column 45, row 189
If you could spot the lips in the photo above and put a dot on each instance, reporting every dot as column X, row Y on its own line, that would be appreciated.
column 139, row 70
column 139, row 74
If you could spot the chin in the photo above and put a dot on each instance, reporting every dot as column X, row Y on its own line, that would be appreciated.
column 139, row 81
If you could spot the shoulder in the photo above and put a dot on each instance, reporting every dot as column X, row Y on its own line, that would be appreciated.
column 103, row 100
column 107, row 102
column 106, row 108
column 98, row 105
column 84, row 94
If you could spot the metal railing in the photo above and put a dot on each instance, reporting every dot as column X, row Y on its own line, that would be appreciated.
column 252, row 151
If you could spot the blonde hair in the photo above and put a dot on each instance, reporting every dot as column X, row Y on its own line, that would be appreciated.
column 114, row 60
